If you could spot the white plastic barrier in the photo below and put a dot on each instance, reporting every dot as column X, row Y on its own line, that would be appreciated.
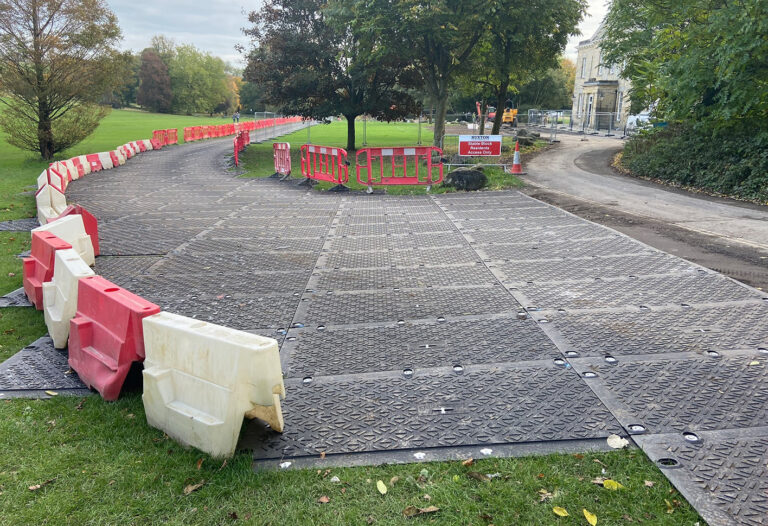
column 60, row 295
column 42, row 179
column 72, row 230
column 136, row 147
column 147, row 144
column 50, row 204
column 200, row 379
column 86, row 164
column 106, row 161
column 73, row 175
column 57, row 175
column 120, row 157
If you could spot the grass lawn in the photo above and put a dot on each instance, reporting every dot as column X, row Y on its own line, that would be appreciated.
column 258, row 162
column 85, row 461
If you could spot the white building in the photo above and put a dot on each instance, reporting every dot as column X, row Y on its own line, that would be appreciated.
column 600, row 96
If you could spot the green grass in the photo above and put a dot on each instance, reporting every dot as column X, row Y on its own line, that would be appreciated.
column 257, row 159
column 106, row 466
column 19, row 169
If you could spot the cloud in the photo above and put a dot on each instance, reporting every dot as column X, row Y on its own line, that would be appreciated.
column 596, row 11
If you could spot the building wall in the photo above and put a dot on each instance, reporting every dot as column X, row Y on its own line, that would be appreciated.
column 602, row 86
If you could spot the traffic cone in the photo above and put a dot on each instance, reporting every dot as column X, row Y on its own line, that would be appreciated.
column 517, row 168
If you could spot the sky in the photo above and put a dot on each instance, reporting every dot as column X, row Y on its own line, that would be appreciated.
column 214, row 25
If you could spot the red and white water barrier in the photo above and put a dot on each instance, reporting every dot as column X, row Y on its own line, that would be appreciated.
column 282, row 157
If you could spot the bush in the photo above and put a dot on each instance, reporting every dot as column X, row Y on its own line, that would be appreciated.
column 732, row 161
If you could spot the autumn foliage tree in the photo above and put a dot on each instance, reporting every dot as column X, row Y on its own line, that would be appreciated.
column 57, row 60
column 154, row 83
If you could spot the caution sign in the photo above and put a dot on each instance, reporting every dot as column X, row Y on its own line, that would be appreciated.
column 480, row 145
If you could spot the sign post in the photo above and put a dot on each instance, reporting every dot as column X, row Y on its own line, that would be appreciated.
column 480, row 145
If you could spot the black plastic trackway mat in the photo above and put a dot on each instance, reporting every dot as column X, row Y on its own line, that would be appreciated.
column 36, row 369
column 434, row 327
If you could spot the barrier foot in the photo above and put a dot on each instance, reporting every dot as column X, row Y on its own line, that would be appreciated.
column 306, row 182
column 369, row 190
column 429, row 187
column 275, row 175
column 339, row 188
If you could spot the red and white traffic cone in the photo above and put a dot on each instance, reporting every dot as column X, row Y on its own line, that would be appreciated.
column 517, row 167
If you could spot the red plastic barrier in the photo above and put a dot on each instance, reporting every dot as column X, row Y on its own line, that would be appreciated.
column 115, row 158
column 78, row 166
column 142, row 146
column 106, row 335
column 126, row 151
column 281, row 151
column 158, row 139
column 172, row 136
column 94, row 161
column 240, row 141
column 38, row 267
column 89, row 221
column 324, row 163
column 373, row 171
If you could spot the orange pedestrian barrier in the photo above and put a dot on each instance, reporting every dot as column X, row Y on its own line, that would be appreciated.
column 372, row 169
column 323, row 163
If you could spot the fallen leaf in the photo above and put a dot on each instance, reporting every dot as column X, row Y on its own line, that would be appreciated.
column 381, row 487
column 456, row 478
column 560, row 512
column 130, row 416
column 468, row 462
column 478, row 476
column 11, row 274
column 616, row 442
column 393, row 480
column 42, row 484
column 485, row 517
column 598, row 480
column 578, row 456
column 427, row 497
column 599, row 461
column 544, row 495
column 540, row 475
column 79, row 406
column 343, row 491
column 247, row 516
column 223, row 465
column 413, row 511
column 670, row 508
column 591, row 517
column 649, row 483
column 111, row 482
column 322, row 455
column 370, row 519
column 612, row 485
column 335, row 479
column 754, row 362
column 627, row 518
column 52, row 393
column 199, row 463
column 324, row 499
column 193, row 487
column 232, row 515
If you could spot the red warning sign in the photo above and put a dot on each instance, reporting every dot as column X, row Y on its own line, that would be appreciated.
column 480, row 145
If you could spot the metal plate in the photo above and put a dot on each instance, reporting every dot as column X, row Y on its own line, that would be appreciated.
column 389, row 278
column 410, row 258
column 441, row 409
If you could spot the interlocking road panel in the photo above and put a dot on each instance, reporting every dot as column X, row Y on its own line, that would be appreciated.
column 723, row 474
column 436, row 410
column 17, row 298
column 695, row 329
column 684, row 393
column 38, row 368
column 416, row 346
column 417, row 277
column 19, row 225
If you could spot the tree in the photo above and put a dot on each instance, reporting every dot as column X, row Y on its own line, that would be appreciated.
column 57, row 59
column 154, row 83
column 438, row 37
column 198, row 81
column 697, row 60
column 551, row 89
column 309, row 59
column 526, row 39
column 252, row 97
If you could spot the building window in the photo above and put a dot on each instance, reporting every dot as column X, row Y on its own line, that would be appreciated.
column 584, row 67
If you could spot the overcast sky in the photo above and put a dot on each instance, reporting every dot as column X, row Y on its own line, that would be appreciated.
column 214, row 25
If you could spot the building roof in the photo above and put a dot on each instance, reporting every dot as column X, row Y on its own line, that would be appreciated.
column 596, row 37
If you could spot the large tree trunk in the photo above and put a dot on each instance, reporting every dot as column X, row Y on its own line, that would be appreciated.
column 350, row 132
column 482, row 116
column 440, row 112
column 45, row 134
column 501, row 101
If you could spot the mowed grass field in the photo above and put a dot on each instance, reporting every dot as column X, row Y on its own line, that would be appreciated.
column 84, row 461
column 257, row 159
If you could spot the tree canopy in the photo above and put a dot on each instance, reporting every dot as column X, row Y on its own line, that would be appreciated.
column 57, row 60
column 154, row 90
column 698, row 60
column 308, row 60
